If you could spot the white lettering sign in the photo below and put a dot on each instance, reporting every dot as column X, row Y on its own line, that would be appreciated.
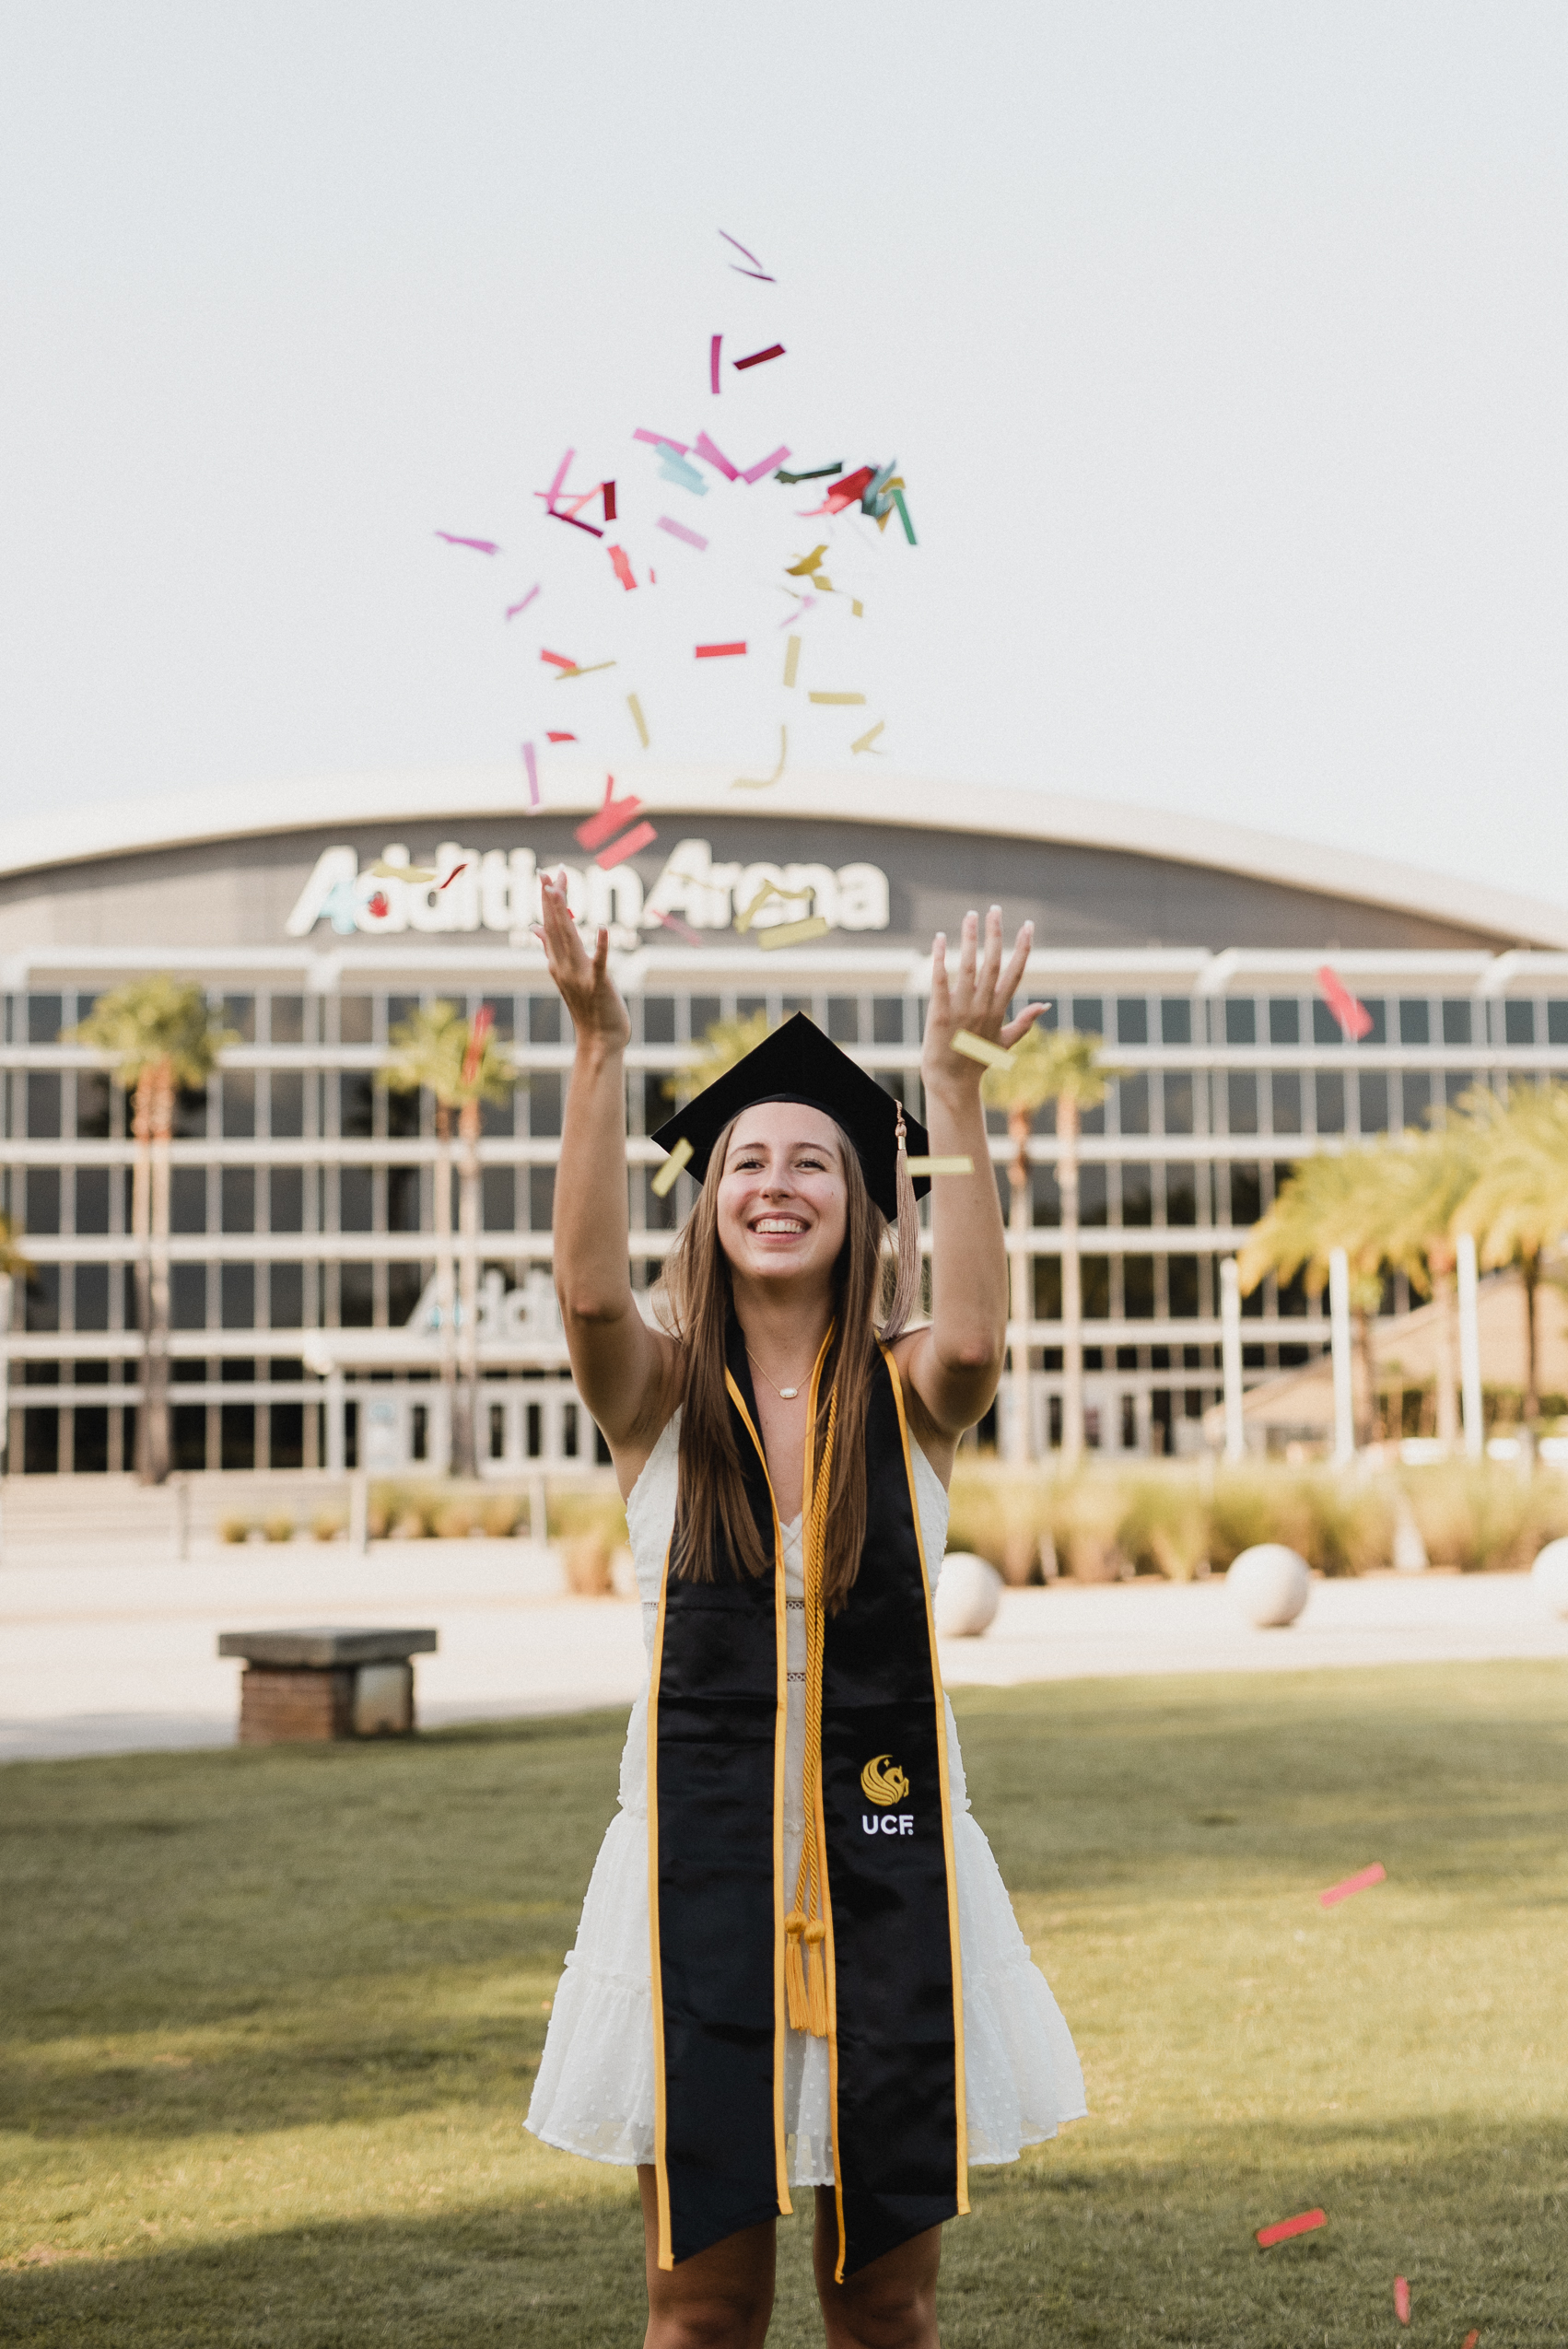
column 498, row 890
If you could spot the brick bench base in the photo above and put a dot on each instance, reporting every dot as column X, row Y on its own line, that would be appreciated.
column 284, row 1707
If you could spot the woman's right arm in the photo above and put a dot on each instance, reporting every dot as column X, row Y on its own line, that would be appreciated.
column 626, row 1373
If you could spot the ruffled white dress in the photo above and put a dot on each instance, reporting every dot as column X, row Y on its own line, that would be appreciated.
column 594, row 2093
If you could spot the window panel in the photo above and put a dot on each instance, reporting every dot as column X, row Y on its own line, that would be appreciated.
column 287, row 1200
column 1374, row 1092
column 356, row 1018
column 43, row 1104
column 46, row 1017
column 1176, row 1018
column 405, row 1284
column 1137, row 1195
column 1519, row 1023
column 1181, row 1195
column 288, row 1103
column 1178, row 1102
column 1415, row 1020
column 354, row 1195
column 545, row 1104
column 1557, row 1021
column 1181, row 1273
column 236, row 1289
column 188, row 1296
column 355, row 1296
column 1241, row 1020
column 1285, row 1088
column 1089, row 1014
column 541, row 1198
column 405, row 1114
column 93, row 1099
column 545, row 1018
column 1241, row 1101
column 287, row 1014
column 1457, row 1020
column 500, row 1198
column 1416, row 1087
column 887, row 1018
column 659, row 1018
column 1330, row 1089
column 404, row 1197
column 1246, row 1194
column 1097, row 1276
column 41, row 1194
column 238, row 1013
column 41, row 1313
column 354, row 1105
column 1048, row 1288
column 1046, row 1196
column 286, row 1303
column 90, row 1302
column 238, row 1198
column 1132, row 1019
column 1093, row 1202
column 1284, row 1020
column 1132, row 1102
column 238, row 1104
column 1137, row 1288
column 187, row 1200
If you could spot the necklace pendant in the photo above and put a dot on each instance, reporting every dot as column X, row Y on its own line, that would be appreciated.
column 788, row 1393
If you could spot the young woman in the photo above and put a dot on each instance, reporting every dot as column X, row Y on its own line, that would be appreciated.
column 797, row 1964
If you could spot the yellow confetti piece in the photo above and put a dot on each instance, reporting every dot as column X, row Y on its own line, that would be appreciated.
column 795, row 933
column 561, row 674
column 940, row 1165
column 866, row 741
column 663, row 1183
column 791, row 659
column 638, row 719
column 384, row 872
column 807, row 564
column 761, row 782
column 769, row 889
column 858, row 608
column 980, row 1048
column 846, row 701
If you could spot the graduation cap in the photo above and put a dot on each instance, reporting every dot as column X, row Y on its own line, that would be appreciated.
column 797, row 1062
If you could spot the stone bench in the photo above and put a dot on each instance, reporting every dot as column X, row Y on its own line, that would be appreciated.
column 307, row 1687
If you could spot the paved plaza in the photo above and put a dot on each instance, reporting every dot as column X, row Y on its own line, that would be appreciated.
column 104, row 1651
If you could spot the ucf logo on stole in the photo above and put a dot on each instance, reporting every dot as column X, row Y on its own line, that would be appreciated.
column 883, row 1783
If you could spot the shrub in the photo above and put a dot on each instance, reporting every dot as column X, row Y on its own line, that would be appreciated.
column 575, row 1513
column 1087, row 1515
column 279, row 1527
column 234, row 1529
column 328, row 1523
column 503, row 1513
column 1475, row 1515
column 586, row 1562
column 1166, row 1528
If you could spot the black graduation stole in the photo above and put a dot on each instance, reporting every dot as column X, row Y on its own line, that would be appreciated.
column 887, row 1897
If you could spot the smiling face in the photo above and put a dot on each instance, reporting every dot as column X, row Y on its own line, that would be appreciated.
column 782, row 1198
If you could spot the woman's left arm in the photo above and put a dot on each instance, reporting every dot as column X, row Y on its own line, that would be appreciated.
column 953, row 1364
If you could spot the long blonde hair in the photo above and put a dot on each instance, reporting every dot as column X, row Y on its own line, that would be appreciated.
column 694, row 1302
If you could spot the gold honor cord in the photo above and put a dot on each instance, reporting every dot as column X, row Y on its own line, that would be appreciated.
column 805, row 1977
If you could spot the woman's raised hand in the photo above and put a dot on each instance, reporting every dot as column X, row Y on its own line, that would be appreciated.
column 586, row 987
column 976, row 999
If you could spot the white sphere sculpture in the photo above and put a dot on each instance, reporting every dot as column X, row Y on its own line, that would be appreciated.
column 1270, row 1583
column 1548, row 1576
column 967, row 1597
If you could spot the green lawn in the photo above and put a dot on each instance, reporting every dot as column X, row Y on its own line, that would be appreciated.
column 270, row 2019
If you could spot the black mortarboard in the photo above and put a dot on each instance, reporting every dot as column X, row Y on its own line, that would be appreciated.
column 797, row 1063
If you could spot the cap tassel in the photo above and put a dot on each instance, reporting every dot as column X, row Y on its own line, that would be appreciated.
column 907, row 1281
column 816, row 1979
column 794, row 1972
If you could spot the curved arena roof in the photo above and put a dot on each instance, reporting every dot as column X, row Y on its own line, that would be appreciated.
column 76, row 835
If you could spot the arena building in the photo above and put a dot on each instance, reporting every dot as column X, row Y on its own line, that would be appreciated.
column 303, row 1272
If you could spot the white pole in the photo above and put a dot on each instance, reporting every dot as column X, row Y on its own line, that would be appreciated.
column 1229, row 1357
column 1340, row 1342
column 1469, row 1347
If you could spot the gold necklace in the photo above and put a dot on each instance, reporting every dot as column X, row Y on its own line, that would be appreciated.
column 785, row 1394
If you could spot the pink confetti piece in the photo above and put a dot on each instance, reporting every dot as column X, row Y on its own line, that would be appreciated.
column 759, row 358
column 554, row 491
column 1402, row 2299
column 754, row 473
column 630, row 844
column 718, row 651
column 1285, row 2227
column 1350, row 1011
column 791, row 617
column 596, row 829
column 480, row 546
column 484, row 1021
column 531, row 763
column 1375, row 1874
column 713, row 360
column 662, row 441
column 756, row 270
column 715, row 457
column 622, row 568
column 681, row 928
column 513, row 609
column 679, row 529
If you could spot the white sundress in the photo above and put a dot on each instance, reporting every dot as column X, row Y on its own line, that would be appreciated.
column 594, row 2092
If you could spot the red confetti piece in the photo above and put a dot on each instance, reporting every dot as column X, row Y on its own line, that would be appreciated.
column 718, row 651
column 1470, row 2341
column 691, row 937
column 557, row 659
column 756, row 270
column 715, row 457
column 1285, row 2227
column 549, row 737
column 480, row 546
column 609, row 489
column 1402, row 2299
column 595, row 829
column 759, row 358
column 622, row 568
column 713, row 360
column 484, row 1021
column 1350, row 1011
column 453, row 875
column 557, row 514
column 641, row 836
column 379, row 905
column 1375, row 1874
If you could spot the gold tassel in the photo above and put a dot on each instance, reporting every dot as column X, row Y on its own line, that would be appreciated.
column 794, row 1973
column 907, row 1282
column 816, row 1979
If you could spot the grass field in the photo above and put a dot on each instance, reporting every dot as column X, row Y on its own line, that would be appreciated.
column 270, row 2019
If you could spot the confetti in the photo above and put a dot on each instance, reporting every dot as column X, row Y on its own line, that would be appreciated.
column 618, row 557
column 795, row 933
column 594, row 666
column 681, row 928
column 817, row 472
column 480, row 546
column 791, row 617
column 792, row 659
column 638, row 719
column 609, row 489
column 903, row 516
column 858, row 608
column 1402, row 2299
column 1352, row 1014
column 866, row 740
column 575, row 505
column 663, row 1183
column 756, row 270
column 763, row 465
column 379, row 904
column 557, row 660
column 551, row 737
column 1469, row 2340
column 384, row 872
column 630, row 844
column 718, row 651
column 846, row 701
column 531, row 763
column 979, row 1048
column 1375, row 1874
column 759, row 358
column 661, row 440
column 513, row 609
column 1286, row 2228
column 596, row 829
column 807, row 566
column 679, row 529
column 550, row 494
column 761, row 782
column 768, row 891
column 843, row 493
column 715, row 457
column 683, row 477
column 558, row 514
column 484, row 1021
column 939, row 1166
column 454, row 874
column 872, row 496
column 713, row 361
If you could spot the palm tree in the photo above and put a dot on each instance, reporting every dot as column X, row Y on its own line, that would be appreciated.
column 1427, row 1181
column 463, row 1067
column 1062, row 1066
column 1518, row 1208
column 1330, row 1203
column 162, row 1038
column 13, row 1265
column 726, row 1042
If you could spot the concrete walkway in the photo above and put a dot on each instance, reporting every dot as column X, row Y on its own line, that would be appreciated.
column 101, row 1654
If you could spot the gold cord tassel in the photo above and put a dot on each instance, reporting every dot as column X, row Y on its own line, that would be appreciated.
column 906, row 1283
column 805, row 1969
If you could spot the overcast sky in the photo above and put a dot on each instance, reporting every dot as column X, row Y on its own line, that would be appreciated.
column 1223, row 348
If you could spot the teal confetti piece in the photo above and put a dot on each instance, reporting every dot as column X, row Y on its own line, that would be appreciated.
column 904, row 517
